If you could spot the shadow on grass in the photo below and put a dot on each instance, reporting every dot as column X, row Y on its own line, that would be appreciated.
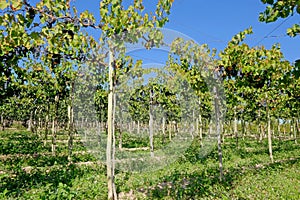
column 206, row 183
column 43, row 160
column 183, row 185
column 22, row 146
column 263, row 149
column 25, row 142
column 15, row 185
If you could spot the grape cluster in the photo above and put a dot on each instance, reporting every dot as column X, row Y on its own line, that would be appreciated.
column 81, row 56
column 57, row 58
column 31, row 13
column 18, row 51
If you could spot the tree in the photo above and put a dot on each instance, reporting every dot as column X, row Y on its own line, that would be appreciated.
column 196, row 64
column 50, row 36
column 258, row 74
column 281, row 9
column 115, row 21
column 40, row 46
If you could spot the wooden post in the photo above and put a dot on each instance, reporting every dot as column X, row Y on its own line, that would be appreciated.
column 163, row 129
column 235, row 129
column 269, row 130
column 218, row 127
column 110, row 124
column 151, row 123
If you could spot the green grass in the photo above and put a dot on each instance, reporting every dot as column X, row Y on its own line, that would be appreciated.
column 247, row 170
column 276, row 181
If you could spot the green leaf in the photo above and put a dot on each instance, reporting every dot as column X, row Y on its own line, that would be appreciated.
column 35, row 35
column 295, row 30
column 16, row 4
column 3, row 5
column 298, row 8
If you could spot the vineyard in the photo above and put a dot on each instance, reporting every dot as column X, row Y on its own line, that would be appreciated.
column 83, row 119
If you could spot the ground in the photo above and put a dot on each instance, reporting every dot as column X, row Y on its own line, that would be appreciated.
column 29, row 171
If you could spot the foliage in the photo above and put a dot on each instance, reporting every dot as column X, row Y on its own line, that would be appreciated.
column 250, row 74
column 281, row 9
column 47, row 58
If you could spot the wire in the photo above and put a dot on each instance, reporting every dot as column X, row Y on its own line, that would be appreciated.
column 274, row 29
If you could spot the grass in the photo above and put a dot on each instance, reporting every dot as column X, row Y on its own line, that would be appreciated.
column 247, row 170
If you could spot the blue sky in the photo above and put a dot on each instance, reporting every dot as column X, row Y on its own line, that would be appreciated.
column 215, row 22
